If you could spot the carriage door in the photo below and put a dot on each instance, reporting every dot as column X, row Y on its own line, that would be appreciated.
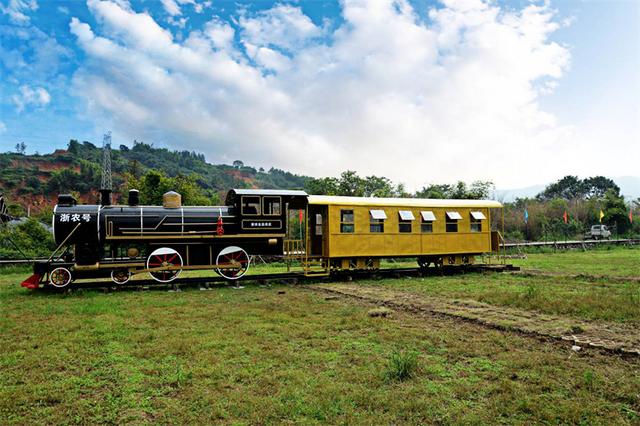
column 317, row 229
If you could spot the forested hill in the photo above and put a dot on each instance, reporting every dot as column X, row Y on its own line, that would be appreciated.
column 35, row 180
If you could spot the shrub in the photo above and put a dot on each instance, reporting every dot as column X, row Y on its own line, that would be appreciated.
column 401, row 366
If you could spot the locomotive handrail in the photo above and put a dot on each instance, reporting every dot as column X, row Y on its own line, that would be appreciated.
column 294, row 248
column 63, row 242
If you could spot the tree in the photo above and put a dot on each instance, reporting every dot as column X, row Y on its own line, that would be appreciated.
column 476, row 191
column 238, row 164
column 571, row 188
column 350, row 184
column 154, row 184
column 322, row 186
column 615, row 211
column 568, row 188
column 437, row 191
column 375, row 186
column 134, row 168
column 597, row 186
column 21, row 148
column 73, row 146
column 479, row 190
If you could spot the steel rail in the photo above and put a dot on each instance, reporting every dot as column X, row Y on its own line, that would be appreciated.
column 573, row 243
column 291, row 277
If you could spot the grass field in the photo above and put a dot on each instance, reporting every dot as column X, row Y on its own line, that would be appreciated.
column 287, row 354
column 614, row 261
column 597, row 300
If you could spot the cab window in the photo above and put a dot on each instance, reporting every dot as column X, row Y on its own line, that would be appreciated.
column 250, row 205
column 272, row 206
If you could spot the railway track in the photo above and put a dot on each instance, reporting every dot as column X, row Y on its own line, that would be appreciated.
column 291, row 277
column 567, row 244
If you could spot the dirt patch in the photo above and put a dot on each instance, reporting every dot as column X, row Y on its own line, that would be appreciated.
column 611, row 337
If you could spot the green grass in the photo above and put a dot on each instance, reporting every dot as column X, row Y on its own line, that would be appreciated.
column 614, row 261
column 256, row 356
column 401, row 365
column 579, row 298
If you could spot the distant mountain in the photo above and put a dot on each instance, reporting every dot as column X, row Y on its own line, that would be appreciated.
column 629, row 187
column 35, row 180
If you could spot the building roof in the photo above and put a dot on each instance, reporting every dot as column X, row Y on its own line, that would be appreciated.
column 400, row 202
column 282, row 192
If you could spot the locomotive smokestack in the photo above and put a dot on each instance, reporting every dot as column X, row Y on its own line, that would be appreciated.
column 134, row 197
column 105, row 197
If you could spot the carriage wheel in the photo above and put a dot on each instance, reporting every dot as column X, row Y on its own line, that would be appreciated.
column 60, row 277
column 120, row 276
column 231, row 256
column 166, row 257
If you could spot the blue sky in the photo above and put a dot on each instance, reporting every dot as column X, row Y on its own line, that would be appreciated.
column 532, row 89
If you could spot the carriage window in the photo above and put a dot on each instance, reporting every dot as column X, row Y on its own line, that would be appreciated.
column 426, row 227
column 272, row 206
column 452, row 221
column 318, row 224
column 406, row 218
column 476, row 221
column 250, row 205
column 346, row 221
column 377, row 221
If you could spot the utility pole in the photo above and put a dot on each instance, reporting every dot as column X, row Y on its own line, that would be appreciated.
column 106, row 162
column 107, row 183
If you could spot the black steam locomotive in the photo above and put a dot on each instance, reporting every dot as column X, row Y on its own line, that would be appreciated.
column 118, row 241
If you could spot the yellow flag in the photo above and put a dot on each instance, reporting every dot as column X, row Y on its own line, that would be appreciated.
column 601, row 216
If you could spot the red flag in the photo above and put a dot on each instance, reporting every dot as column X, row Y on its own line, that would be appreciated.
column 219, row 228
column 630, row 215
column 300, row 216
column 565, row 216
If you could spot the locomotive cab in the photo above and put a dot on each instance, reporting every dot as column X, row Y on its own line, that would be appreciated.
column 262, row 211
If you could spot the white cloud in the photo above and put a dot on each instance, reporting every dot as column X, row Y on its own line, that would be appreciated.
column 3, row 127
column 174, row 7
column 171, row 7
column 384, row 93
column 38, row 97
column 17, row 10
column 282, row 26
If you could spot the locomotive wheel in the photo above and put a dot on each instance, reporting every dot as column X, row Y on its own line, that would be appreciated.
column 233, row 255
column 120, row 276
column 60, row 277
column 164, row 256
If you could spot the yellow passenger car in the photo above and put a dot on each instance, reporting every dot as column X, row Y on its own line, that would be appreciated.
column 355, row 232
